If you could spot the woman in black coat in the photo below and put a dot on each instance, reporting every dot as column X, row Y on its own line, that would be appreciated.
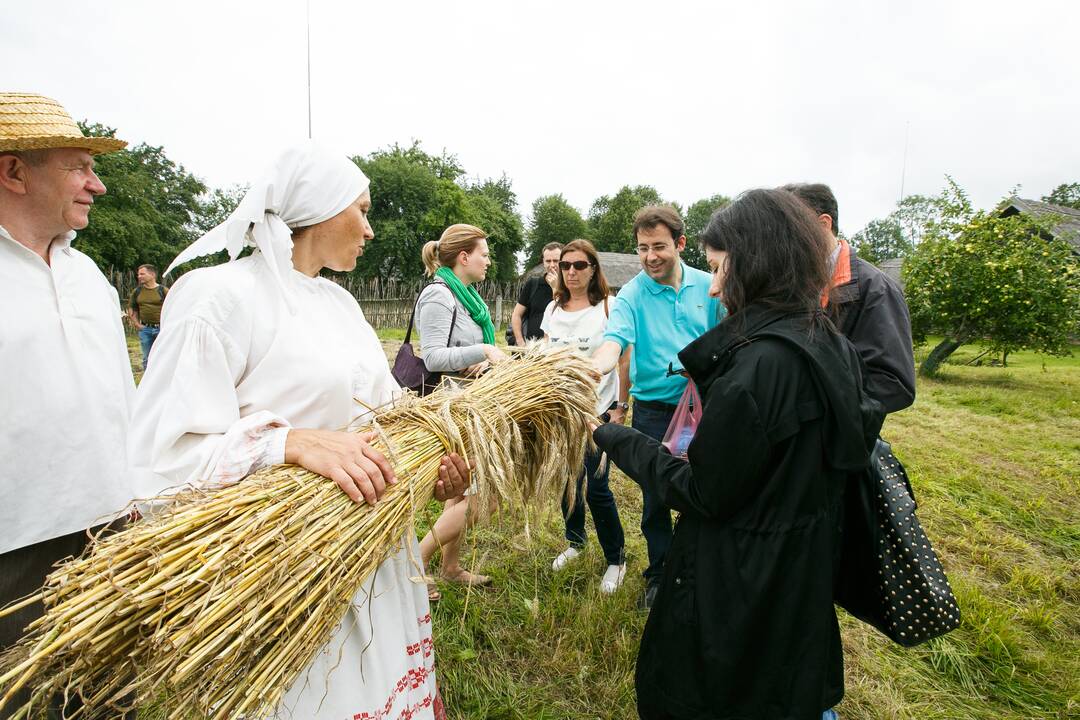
column 744, row 625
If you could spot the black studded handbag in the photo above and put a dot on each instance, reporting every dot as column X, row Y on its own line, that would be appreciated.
column 889, row 575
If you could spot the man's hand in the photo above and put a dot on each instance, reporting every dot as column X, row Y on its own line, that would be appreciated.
column 552, row 279
column 361, row 471
column 454, row 477
column 617, row 415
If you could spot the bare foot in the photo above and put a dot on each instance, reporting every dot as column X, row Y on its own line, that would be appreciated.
column 464, row 577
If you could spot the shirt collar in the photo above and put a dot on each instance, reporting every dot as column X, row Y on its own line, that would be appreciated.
column 60, row 242
column 656, row 288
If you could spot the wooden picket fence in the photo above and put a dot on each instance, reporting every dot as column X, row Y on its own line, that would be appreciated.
column 386, row 303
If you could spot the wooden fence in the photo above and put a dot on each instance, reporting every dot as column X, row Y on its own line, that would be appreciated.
column 386, row 303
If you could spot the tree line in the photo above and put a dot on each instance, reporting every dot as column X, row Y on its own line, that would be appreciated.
column 155, row 207
column 970, row 275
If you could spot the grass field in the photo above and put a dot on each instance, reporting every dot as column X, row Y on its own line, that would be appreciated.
column 994, row 457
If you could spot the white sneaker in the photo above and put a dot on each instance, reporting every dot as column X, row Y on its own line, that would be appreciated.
column 612, row 579
column 563, row 559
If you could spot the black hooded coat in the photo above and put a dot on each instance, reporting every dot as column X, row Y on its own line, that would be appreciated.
column 743, row 625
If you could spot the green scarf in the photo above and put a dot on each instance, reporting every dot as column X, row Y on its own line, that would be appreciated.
column 471, row 300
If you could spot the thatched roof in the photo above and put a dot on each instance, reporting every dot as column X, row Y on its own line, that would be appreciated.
column 618, row 268
column 1067, row 228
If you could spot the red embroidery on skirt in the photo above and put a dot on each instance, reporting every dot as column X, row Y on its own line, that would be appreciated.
column 412, row 680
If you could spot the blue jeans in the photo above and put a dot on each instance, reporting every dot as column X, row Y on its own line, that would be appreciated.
column 602, row 506
column 655, row 518
column 830, row 715
column 147, row 335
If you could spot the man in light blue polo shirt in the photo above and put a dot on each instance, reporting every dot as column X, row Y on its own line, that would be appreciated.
column 660, row 311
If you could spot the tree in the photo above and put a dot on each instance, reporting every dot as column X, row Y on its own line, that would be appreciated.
column 611, row 219
column 493, row 207
column 1001, row 281
column 150, row 212
column 697, row 218
column 553, row 220
column 881, row 240
column 216, row 205
column 1067, row 194
column 917, row 215
column 415, row 196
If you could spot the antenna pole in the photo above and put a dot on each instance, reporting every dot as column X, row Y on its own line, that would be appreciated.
column 309, row 69
column 903, row 167
column 903, row 174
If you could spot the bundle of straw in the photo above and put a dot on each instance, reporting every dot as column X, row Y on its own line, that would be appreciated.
column 220, row 599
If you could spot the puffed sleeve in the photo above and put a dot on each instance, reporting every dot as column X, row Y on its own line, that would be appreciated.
column 186, row 428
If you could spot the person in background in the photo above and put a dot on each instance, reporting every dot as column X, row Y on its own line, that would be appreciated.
column 577, row 318
column 67, row 378
column 662, row 309
column 144, row 308
column 456, row 336
column 743, row 626
column 535, row 296
column 867, row 307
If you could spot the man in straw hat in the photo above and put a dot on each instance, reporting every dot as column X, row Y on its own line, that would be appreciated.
column 63, row 357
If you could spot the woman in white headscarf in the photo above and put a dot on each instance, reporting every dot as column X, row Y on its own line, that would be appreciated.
column 261, row 361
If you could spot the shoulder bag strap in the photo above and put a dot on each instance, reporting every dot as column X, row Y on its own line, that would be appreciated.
column 412, row 316
column 453, row 320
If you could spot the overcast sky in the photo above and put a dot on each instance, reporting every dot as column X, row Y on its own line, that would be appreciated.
column 694, row 98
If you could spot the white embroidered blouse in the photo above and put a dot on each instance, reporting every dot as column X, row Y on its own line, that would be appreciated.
column 233, row 370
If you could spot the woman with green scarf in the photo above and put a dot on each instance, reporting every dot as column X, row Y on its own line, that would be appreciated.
column 456, row 336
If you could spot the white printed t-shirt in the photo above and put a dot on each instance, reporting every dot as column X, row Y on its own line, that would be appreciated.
column 583, row 330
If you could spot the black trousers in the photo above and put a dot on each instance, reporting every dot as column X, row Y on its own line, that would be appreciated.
column 653, row 419
column 23, row 571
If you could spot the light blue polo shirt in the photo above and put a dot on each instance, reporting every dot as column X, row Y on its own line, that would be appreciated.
column 659, row 323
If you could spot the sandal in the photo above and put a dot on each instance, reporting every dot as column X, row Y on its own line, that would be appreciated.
column 464, row 577
column 433, row 594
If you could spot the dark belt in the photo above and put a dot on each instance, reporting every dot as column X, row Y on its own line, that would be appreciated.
column 153, row 325
column 656, row 405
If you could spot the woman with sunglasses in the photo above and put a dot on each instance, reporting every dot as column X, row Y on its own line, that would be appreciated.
column 577, row 317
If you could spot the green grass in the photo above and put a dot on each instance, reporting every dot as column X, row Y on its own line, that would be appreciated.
column 994, row 457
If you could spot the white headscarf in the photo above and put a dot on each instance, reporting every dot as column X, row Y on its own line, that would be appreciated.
column 306, row 185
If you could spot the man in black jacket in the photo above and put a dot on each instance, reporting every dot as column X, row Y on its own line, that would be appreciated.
column 869, row 309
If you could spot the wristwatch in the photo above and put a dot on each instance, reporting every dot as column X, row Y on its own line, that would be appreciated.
column 622, row 406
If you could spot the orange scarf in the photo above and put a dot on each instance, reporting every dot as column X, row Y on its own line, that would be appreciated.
column 842, row 271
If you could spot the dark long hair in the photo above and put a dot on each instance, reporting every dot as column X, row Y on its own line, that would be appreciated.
column 598, row 286
column 778, row 253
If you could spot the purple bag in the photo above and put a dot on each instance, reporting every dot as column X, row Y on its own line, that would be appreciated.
column 409, row 370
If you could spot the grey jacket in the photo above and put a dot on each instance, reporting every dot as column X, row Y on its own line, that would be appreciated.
column 463, row 347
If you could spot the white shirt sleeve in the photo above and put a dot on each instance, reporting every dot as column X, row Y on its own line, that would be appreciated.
column 187, row 428
column 545, row 324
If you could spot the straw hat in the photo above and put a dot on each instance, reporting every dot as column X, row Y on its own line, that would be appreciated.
column 33, row 122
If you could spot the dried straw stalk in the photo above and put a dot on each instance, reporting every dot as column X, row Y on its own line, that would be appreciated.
column 221, row 599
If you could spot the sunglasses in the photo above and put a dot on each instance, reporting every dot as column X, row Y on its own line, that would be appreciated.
column 578, row 265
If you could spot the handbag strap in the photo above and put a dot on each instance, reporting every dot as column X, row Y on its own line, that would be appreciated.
column 412, row 316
